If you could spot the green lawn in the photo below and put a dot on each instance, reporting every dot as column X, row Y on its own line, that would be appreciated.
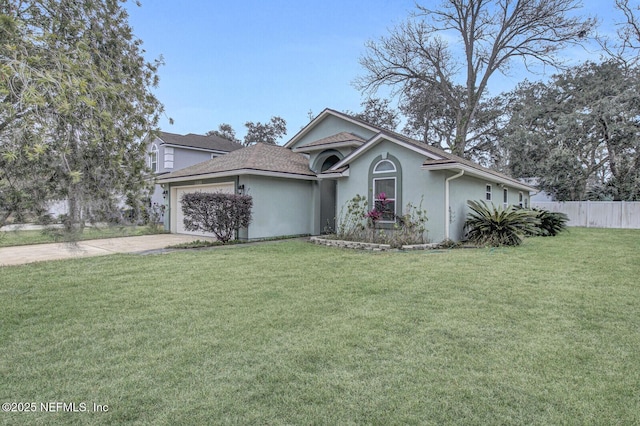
column 293, row 333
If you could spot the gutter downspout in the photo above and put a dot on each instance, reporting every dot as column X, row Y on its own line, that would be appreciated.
column 447, row 216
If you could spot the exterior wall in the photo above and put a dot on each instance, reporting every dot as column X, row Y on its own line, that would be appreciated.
column 184, row 157
column 418, row 187
column 280, row 206
column 181, row 158
column 330, row 126
column 422, row 187
column 468, row 188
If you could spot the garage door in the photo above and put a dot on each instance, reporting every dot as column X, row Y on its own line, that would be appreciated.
column 226, row 187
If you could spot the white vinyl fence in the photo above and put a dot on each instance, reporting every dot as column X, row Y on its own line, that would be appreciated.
column 596, row 214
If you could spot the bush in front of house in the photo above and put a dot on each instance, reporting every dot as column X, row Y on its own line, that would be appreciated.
column 218, row 213
column 356, row 223
column 488, row 225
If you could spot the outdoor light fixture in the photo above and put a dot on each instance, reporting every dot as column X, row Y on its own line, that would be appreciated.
column 240, row 189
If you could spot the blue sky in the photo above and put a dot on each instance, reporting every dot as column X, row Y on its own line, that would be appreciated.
column 233, row 62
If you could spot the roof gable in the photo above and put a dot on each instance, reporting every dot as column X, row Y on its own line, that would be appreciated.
column 329, row 123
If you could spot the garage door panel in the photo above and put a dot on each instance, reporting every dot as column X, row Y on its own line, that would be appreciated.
column 227, row 188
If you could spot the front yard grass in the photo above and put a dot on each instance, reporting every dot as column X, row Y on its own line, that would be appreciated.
column 294, row 333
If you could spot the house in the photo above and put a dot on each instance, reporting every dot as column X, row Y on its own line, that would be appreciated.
column 168, row 152
column 301, row 187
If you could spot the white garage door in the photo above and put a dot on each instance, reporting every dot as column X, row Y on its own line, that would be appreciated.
column 226, row 187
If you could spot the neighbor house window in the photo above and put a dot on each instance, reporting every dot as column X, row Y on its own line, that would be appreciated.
column 505, row 197
column 153, row 158
column 168, row 157
column 488, row 193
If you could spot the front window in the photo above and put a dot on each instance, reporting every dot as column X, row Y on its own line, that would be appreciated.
column 521, row 199
column 384, row 197
column 505, row 197
column 488, row 193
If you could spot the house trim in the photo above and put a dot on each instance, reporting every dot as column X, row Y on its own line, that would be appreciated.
column 380, row 137
column 237, row 173
column 472, row 171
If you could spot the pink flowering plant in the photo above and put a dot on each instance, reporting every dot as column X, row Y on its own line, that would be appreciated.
column 383, row 209
column 358, row 223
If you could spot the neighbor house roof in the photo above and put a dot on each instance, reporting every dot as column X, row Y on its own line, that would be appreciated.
column 191, row 140
column 262, row 159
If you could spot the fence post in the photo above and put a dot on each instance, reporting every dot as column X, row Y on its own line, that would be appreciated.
column 587, row 213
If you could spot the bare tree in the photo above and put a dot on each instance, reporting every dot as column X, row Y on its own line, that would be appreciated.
column 625, row 48
column 490, row 34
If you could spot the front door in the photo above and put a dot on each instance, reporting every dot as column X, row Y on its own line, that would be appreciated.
column 327, row 206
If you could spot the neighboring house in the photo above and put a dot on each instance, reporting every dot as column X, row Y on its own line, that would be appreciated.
column 169, row 152
column 301, row 187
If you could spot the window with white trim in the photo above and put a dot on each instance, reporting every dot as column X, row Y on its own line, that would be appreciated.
column 384, row 166
column 487, row 192
column 168, row 157
column 384, row 198
column 505, row 197
column 521, row 199
column 153, row 158
column 385, row 188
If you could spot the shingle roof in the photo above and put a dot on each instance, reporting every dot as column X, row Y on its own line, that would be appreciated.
column 338, row 138
column 213, row 142
column 259, row 157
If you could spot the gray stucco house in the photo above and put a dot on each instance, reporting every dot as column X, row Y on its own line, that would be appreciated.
column 168, row 152
column 300, row 188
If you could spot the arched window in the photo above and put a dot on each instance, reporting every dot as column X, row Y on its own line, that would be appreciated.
column 384, row 166
column 386, row 187
column 153, row 158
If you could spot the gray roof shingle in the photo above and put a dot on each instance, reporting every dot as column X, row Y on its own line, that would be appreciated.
column 259, row 157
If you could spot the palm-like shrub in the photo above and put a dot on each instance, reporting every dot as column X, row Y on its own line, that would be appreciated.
column 497, row 226
column 551, row 223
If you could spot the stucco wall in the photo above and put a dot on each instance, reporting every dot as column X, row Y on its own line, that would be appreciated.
column 468, row 188
column 422, row 186
column 417, row 186
column 280, row 206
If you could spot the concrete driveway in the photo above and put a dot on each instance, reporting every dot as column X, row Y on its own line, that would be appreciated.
column 20, row 255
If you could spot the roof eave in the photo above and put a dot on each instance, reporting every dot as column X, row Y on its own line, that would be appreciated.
column 478, row 173
column 320, row 147
column 238, row 172
column 377, row 139
column 335, row 175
